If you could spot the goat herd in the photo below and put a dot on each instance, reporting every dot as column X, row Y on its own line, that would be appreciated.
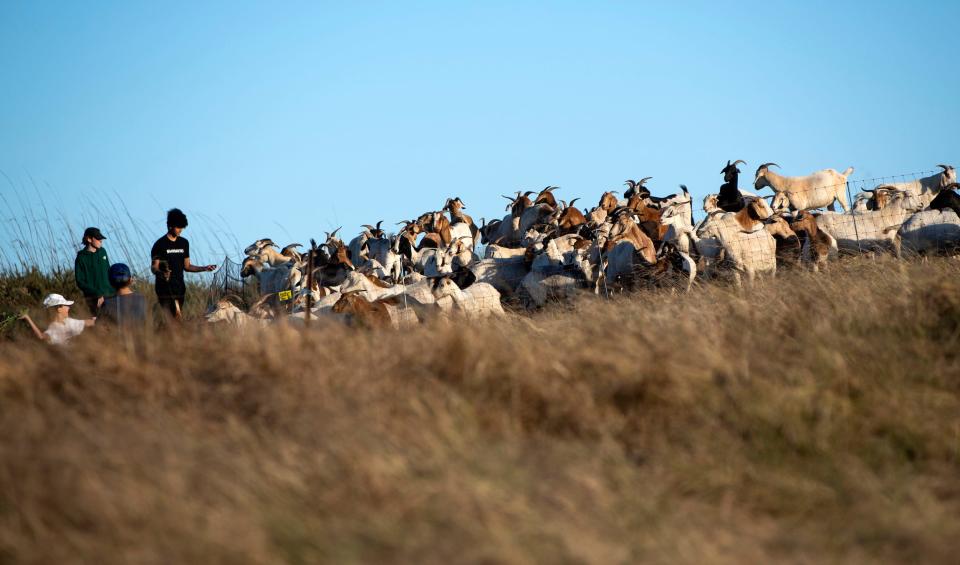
column 547, row 249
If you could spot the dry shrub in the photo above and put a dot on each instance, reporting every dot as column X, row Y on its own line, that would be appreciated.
column 811, row 418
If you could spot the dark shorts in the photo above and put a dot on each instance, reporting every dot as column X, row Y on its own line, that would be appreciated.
column 168, row 304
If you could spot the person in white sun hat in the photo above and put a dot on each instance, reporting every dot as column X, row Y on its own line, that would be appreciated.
column 62, row 328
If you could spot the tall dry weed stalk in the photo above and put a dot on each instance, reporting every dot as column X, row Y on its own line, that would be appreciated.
column 42, row 232
column 810, row 419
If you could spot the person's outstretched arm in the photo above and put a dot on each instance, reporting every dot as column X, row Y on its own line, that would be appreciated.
column 196, row 269
column 36, row 331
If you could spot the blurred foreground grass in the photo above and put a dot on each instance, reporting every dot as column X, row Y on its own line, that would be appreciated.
column 811, row 419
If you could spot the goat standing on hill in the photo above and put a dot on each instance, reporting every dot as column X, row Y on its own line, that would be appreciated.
column 815, row 190
column 730, row 199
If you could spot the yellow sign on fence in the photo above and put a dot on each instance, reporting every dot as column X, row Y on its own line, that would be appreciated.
column 284, row 295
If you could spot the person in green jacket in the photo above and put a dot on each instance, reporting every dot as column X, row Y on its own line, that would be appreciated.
column 90, row 270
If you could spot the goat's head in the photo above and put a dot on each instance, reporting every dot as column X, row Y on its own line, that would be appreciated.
column 948, row 176
column 454, row 205
column 225, row 310
column 546, row 197
column 731, row 171
column 608, row 201
column 711, row 203
column 637, row 187
column 758, row 208
column 443, row 286
column 255, row 247
column 761, row 180
column 251, row 266
column 804, row 222
column 332, row 238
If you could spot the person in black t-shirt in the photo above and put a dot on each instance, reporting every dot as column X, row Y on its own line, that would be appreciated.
column 170, row 257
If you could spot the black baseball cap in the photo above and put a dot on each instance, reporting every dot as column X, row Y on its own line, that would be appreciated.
column 94, row 233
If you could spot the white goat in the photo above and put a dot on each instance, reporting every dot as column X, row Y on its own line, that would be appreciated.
column 926, row 188
column 816, row 190
column 871, row 230
column 745, row 243
column 931, row 230
column 479, row 300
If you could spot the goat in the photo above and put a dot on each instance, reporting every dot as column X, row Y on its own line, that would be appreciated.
column 927, row 188
column 271, row 280
column 479, row 300
column 871, row 229
column 570, row 219
column 546, row 197
column 608, row 202
column 745, row 243
column 816, row 190
column 519, row 203
column 937, row 228
column 947, row 198
column 636, row 188
column 436, row 228
column 455, row 207
column 358, row 246
column 730, row 199
column 789, row 248
column 360, row 312
column 817, row 245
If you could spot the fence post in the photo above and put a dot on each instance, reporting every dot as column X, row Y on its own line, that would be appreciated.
column 853, row 216
column 313, row 248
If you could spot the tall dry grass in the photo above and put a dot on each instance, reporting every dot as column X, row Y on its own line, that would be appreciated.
column 42, row 230
column 814, row 418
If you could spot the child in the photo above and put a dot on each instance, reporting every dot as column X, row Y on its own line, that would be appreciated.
column 90, row 270
column 126, row 310
column 62, row 327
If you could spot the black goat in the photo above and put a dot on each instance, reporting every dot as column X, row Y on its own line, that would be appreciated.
column 730, row 199
column 947, row 198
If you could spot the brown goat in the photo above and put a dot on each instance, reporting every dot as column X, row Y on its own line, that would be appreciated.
column 519, row 203
column 435, row 223
column 546, row 197
column 608, row 202
column 816, row 242
column 361, row 312
column 571, row 219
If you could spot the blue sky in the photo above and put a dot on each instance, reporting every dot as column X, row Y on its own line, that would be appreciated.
column 285, row 121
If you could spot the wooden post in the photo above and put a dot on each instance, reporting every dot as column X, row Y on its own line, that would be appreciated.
column 313, row 248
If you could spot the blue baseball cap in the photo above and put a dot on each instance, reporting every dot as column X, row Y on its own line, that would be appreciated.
column 118, row 274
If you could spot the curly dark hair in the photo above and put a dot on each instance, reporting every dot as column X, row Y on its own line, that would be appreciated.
column 176, row 218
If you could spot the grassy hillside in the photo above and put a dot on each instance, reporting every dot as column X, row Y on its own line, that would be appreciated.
column 814, row 418
column 24, row 292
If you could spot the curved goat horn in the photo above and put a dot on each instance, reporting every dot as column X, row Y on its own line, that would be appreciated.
column 334, row 232
column 739, row 161
column 642, row 181
column 945, row 167
column 378, row 224
column 631, row 183
column 510, row 198
column 767, row 165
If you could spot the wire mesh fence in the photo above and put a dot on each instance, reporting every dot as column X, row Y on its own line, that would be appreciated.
column 226, row 282
column 890, row 214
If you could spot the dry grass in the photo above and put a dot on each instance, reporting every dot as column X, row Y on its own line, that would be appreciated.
column 816, row 418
